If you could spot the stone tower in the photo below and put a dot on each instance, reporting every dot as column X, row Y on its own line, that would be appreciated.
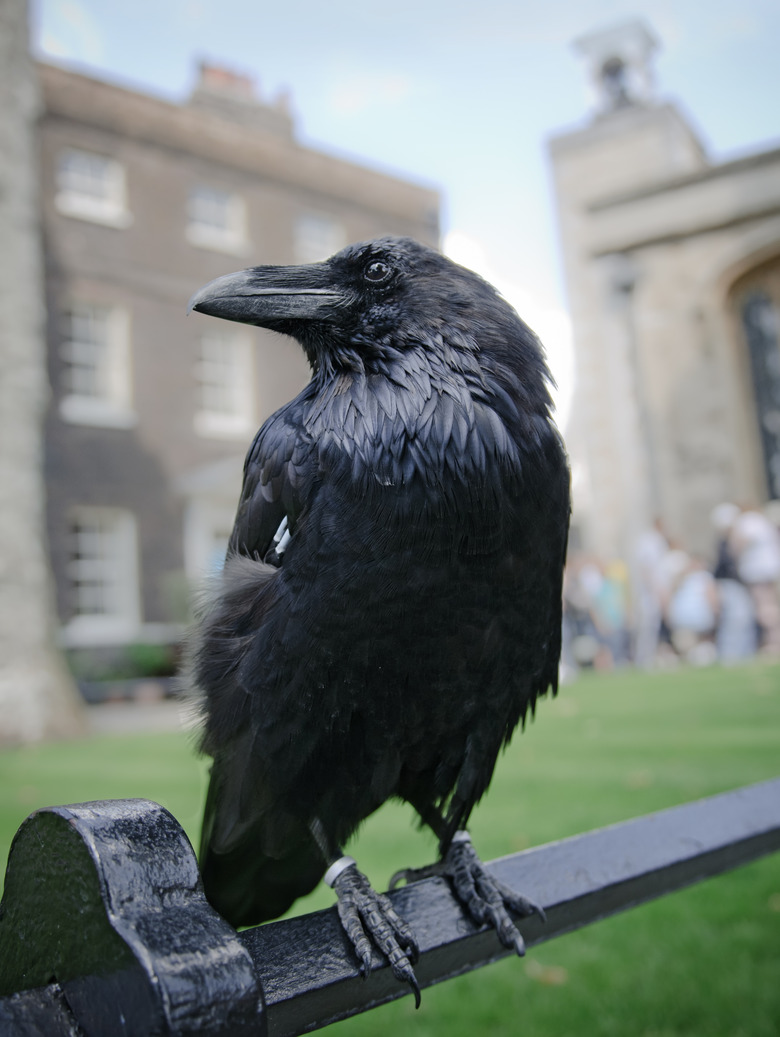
column 655, row 237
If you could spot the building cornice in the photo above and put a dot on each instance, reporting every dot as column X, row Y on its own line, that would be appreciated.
column 745, row 163
column 669, row 237
column 733, row 194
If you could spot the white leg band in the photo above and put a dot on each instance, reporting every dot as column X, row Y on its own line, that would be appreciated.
column 281, row 530
column 337, row 868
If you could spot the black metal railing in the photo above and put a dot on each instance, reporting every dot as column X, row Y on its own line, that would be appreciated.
column 104, row 928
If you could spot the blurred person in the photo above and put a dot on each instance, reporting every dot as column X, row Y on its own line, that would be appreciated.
column 597, row 595
column 755, row 541
column 736, row 636
column 692, row 612
column 651, row 549
column 609, row 608
column 579, row 633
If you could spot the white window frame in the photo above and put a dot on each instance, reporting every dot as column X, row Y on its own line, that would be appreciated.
column 104, row 564
column 217, row 220
column 104, row 346
column 224, row 376
column 208, row 524
column 318, row 236
column 92, row 187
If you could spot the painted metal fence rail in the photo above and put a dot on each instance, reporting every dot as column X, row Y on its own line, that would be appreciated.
column 104, row 929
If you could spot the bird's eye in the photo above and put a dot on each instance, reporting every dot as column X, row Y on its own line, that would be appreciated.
column 376, row 272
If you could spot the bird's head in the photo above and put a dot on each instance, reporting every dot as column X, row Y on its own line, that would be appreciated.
column 374, row 300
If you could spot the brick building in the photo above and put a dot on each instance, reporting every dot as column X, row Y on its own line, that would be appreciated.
column 151, row 413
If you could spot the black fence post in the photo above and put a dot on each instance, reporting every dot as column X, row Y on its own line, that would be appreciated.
column 103, row 912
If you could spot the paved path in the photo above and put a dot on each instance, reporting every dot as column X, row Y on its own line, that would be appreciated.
column 137, row 717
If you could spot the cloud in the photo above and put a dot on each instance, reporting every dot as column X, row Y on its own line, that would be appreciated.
column 70, row 33
column 360, row 92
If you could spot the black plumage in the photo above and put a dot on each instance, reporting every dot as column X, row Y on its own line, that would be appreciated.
column 390, row 607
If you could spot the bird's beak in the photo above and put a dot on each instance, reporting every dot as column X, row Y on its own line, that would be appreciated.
column 272, row 296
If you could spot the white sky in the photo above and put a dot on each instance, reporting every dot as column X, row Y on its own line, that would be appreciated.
column 452, row 93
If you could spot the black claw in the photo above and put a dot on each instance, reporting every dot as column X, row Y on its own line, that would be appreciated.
column 397, row 877
column 404, row 973
column 365, row 963
column 408, row 875
column 368, row 917
column 412, row 980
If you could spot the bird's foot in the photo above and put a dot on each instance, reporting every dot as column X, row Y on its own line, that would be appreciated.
column 369, row 916
column 486, row 898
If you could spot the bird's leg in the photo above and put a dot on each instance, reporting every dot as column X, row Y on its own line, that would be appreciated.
column 486, row 898
column 369, row 916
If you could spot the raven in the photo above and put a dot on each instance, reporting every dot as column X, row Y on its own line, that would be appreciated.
column 390, row 604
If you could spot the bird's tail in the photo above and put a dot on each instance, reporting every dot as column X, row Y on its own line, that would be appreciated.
column 255, row 870
column 247, row 888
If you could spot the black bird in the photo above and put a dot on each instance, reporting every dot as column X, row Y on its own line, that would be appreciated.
column 390, row 606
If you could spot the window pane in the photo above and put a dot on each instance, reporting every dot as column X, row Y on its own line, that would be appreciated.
column 100, row 547
column 317, row 237
column 210, row 207
column 81, row 172
column 90, row 353
column 217, row 219
column 218, row 545
column 91, row 187
column 221, row 372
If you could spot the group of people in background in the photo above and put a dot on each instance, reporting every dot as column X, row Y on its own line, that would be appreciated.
column 666, row 606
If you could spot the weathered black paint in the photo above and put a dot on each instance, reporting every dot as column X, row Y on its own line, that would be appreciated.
column 104, row 915
column 104, row 899
column 42, row 1012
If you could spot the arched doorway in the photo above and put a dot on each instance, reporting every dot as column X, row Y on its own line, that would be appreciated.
column 755, row 300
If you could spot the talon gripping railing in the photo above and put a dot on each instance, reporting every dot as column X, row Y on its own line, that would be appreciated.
column 104, row 928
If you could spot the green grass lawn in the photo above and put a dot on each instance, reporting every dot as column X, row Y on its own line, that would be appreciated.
column 703, row 963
